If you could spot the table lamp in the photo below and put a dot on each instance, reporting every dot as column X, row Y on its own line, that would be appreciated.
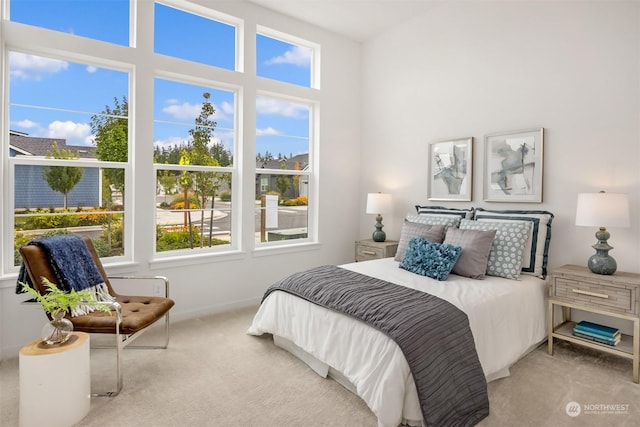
column 378, row 203
column 602, row 210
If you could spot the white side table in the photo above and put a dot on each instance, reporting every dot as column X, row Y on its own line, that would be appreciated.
column 55, row 382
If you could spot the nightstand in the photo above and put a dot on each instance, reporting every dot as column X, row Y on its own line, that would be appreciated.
column 368, row 249
column 617, row 295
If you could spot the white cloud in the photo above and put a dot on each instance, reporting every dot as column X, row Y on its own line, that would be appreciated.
column 26, row 124
column 281, row 108
column 299, row 56
column 31, row 67
column 170, row 142
column 73, row 133
column 267, row 131
column 91, row 69
column 182, row 111
column 227, row 108
column 187, row 111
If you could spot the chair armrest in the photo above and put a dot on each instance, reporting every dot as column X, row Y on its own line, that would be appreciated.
column 161, row 278
column 115, row 306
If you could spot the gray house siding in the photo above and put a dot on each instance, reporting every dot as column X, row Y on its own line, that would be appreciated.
column 267, row 182
column 32, row 191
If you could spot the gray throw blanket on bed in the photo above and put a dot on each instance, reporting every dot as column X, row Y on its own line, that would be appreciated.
column 433, row 334
column 74, row 269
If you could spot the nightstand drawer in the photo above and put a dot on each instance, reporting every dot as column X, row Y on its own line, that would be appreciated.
column 369, row 252
column 610, row 296
column 369, row 249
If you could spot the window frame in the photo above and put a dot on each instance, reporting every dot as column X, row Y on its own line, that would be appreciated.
column 314, row 65
column 143, row 65
column 9, row 163
column 311, row 173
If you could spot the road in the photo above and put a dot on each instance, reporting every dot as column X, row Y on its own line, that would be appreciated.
column 289, row 217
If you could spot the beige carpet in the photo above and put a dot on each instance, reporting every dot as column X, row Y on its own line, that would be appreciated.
column 213, row 374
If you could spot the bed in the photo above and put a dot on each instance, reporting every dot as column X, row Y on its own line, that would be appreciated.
column 506, row 317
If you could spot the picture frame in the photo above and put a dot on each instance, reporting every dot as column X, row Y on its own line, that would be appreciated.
column 513, row 166
column 451, row 170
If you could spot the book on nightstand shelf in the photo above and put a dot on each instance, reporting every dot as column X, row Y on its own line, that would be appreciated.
column 597, row 329
column 598, row 339
column 598, row 333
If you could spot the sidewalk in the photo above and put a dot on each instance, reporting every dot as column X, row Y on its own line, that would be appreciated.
column 167, row 217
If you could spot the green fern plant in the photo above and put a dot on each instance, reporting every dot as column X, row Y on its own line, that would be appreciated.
column 57, row 300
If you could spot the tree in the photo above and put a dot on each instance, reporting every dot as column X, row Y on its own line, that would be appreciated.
column 111, row 135
column 186, row 182
column 283, row 182
column 296, row 179
column 207, row 184
column 62, row 178
column 167, row 181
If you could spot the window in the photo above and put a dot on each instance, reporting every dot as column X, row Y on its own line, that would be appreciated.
column 283, row 169
column 193, row 132
column 188, row 36
column 97, row 19
column 101, row 122
column 67, row 151
column 280, row 60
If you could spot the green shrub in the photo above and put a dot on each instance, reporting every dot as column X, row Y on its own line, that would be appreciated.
column 175, row 238
column 19, row 240
column 44, row 222
column 116, row 232
column 102, row 247
column 225, row 196
column 55, row 233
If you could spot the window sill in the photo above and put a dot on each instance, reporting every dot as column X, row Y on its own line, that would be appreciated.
column 285, row 249
column 194, row 259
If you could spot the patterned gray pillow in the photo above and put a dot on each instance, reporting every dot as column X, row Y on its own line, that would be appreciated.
column 411, row 230
column 507, row 251
column 536, row 252
column 476, row 246
column 446, row 220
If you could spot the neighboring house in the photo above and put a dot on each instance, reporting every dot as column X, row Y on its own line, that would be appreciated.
column 31, row 189
column 267, row 182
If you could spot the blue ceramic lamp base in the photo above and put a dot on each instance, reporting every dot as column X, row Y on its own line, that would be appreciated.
column 379, row 235
column 601, row 262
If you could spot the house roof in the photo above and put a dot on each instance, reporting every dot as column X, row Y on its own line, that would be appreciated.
column 302, row 159
column 26, row 145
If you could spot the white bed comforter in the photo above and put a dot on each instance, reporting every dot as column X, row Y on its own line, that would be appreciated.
column 507, row 319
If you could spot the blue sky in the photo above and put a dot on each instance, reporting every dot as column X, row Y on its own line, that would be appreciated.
column 55, row 99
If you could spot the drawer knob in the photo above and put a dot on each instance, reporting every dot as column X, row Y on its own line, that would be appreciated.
column 591, row 294
column 368, row 252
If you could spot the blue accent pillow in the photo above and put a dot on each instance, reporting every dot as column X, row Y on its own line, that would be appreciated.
column 435, row 260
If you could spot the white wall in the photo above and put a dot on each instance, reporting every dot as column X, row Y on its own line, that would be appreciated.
column 471, row 69
column 212, row 285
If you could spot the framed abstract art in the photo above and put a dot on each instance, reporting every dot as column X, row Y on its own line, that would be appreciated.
column 513, row 166
column 451, row 169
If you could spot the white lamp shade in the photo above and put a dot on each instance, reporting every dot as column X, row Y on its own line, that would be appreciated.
column 603, row 210
column 378, row 203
